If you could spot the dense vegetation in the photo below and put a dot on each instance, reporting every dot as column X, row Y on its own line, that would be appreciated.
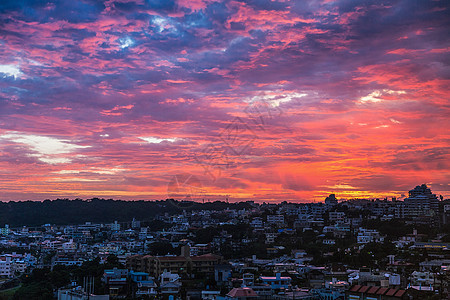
column 65, row 211
column 42, row 283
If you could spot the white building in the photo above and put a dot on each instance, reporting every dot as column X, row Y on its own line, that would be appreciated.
column 368, row 236
column 336, row 216
column 329, row 242
column 422, row 278
column 421, row 202
column 275, row 219
column 69, row 246
column 115, row 226
column 6, row 266
column 79, row 294
column 257, row 223
column 5, row 230
column 270, row 237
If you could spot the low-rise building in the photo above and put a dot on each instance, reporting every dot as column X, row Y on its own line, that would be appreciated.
column 368, row 236
column 277, row 281
column 363, row 292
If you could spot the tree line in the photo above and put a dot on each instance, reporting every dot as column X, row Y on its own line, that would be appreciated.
column 78, row 211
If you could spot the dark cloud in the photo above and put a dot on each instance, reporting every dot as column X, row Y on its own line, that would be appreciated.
column 48, row 11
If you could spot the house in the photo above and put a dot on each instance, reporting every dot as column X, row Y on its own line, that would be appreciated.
column 422, row 278
column 170, row 289
column 114, row 274
column 264, row 291
column 222, row 273
column 329, row 242
column 330, row 293
column 170, row 284
column 368, row 236
column 297, row 295
column 116, row 280
column 336, row 216
column 6, row 269
column 275, row 219
column 67, row 261
column 146, row 288
column 257, row 223
column 248, row 279
column 79, row 294
column 211, row 295
column 316, row 278
column 270, row 237
column 143, row 284
column 365, row 276
column 200, row 249
column 277, row 282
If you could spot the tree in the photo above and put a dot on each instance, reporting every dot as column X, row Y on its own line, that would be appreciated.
column 161, row 248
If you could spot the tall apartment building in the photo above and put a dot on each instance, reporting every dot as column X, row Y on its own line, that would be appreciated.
column 183, row 264
column 6, row 266
column 421, row 202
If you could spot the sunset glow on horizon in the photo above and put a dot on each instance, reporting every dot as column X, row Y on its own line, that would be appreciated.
column 248, row 100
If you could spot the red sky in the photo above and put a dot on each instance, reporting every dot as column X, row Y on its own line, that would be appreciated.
column 261, row 100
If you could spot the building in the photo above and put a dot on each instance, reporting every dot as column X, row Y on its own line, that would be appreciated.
column 270, row 237
column 210, row 295
column 200, row 249
column 248, row 279
column 446, row 215
column 222, row 273
column 67, row 261
column 242, row 293
column 422, row 278
column 336, row 216
column 316, row 278
column 264, row 291
column 329, row 242
column 329, row 293
column 277, row 282
column 5, row 230
column 116, row 280
column 6, row 266
column 366, row 276
column 170, row 284
column 79, row 294
column 421, row 202
column 115, row 226
column 183, row 264
column 368, row 236
column 275, row 219
column 135, row 224
column 144, row 285
column 364, row 292
column 331, row 200
column 257, row 223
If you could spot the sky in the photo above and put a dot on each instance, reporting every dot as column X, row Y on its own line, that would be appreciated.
column 246, row 100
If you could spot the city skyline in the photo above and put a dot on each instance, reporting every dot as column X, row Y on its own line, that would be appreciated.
column 246, row 100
